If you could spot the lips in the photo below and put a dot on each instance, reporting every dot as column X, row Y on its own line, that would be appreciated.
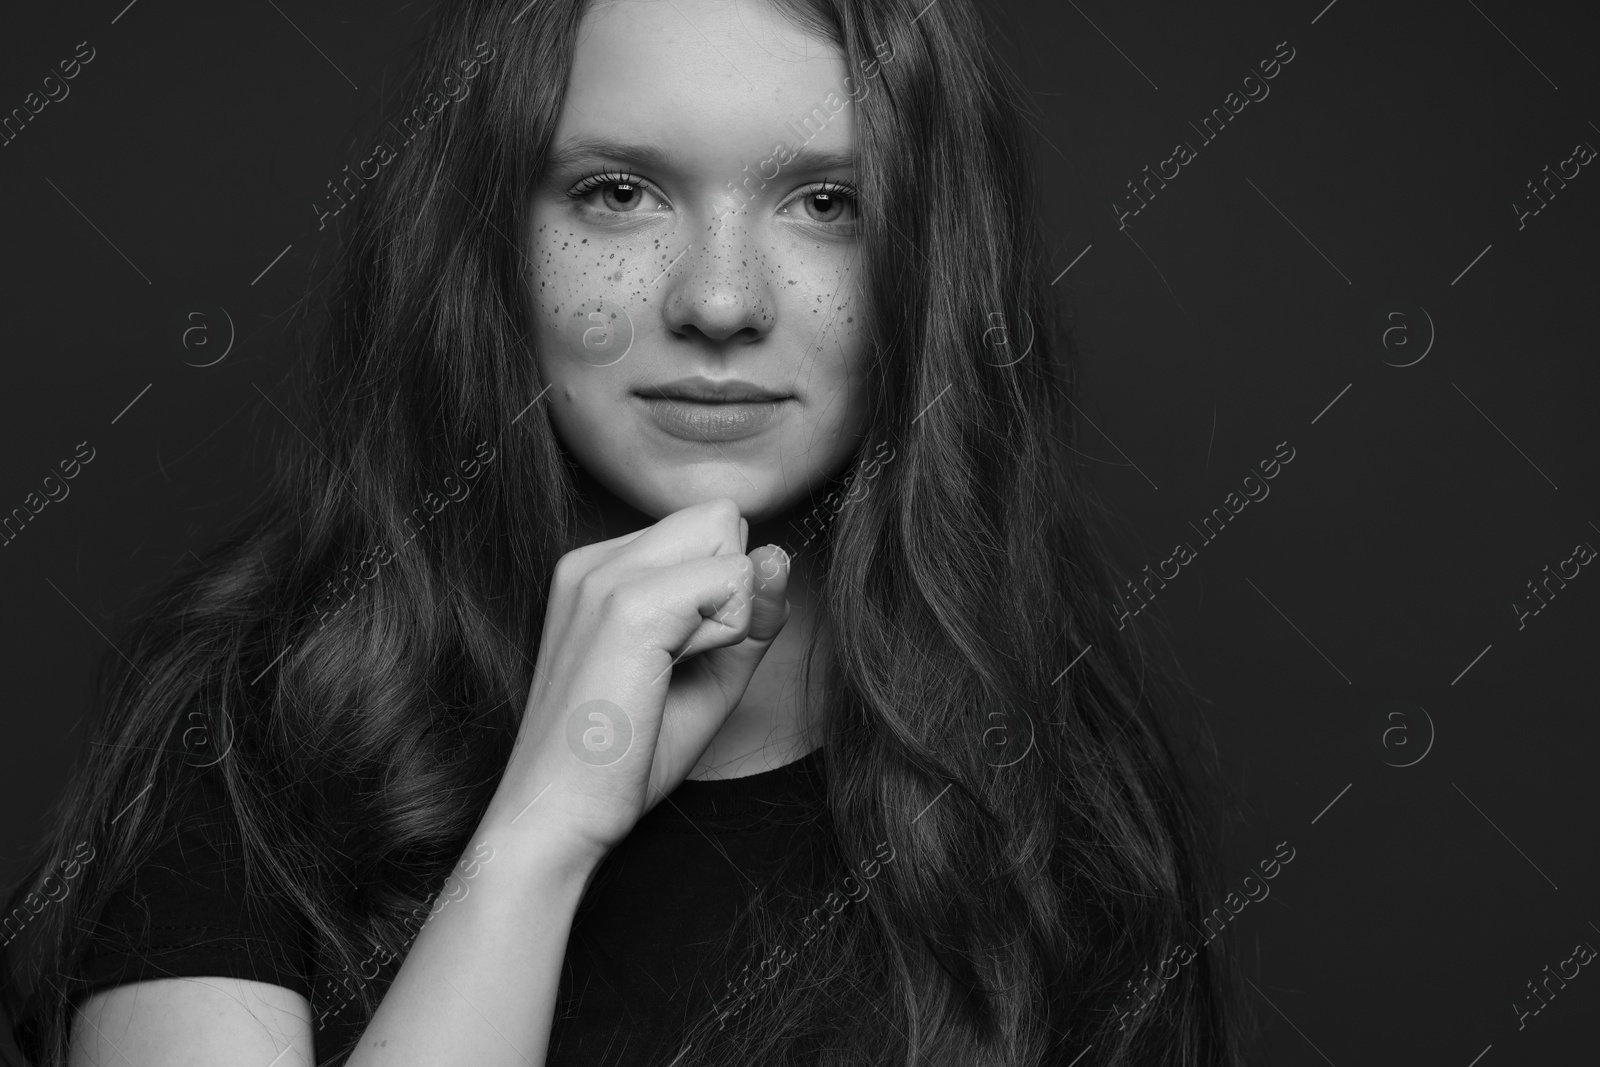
column 710, row 391
column 703, row 410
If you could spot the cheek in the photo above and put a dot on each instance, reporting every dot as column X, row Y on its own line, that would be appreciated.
column 589, row 295
column 826, row 307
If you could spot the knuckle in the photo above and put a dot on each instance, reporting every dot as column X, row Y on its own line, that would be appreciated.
column 624, row 604
column 723, row 509
column 595, row 588
column 569, row 570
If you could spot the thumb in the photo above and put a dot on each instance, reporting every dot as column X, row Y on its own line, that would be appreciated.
column 770, row 608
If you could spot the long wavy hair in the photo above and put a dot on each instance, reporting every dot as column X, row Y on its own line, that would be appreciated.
column 1040, row 840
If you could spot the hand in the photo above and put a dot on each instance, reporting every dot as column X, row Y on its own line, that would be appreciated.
column 649, row 642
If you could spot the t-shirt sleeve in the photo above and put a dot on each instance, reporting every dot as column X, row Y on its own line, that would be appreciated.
column 185, row 912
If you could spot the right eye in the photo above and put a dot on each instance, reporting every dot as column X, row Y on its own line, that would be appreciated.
column 620, row 194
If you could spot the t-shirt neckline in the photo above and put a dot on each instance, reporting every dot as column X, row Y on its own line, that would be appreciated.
column 796, row 784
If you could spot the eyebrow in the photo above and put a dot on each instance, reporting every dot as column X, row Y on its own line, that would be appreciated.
column 654, row 157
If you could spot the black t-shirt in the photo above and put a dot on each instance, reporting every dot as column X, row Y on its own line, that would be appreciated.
column 639, row 958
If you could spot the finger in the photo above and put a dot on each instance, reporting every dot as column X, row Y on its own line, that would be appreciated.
column 726, row 670
column 667, row 608
column 706, row 529
column 757, row 611
column 730, row 622
column 597, row 552
column 756, row 605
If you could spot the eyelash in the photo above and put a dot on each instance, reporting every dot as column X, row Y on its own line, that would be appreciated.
column 596, row 180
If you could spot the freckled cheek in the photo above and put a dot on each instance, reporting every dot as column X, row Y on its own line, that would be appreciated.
column 832, row 306
column 842, row 359
column 589, row 298
column 567, row 269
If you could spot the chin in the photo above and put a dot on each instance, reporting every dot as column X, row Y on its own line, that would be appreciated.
column 673, row 490
column 655, row 486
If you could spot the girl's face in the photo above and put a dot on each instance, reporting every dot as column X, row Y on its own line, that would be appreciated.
column 696, row 344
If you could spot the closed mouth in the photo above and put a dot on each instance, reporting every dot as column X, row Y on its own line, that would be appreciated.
column 710, row 391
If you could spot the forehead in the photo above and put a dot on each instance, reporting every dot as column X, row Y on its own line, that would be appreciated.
column 715, row 80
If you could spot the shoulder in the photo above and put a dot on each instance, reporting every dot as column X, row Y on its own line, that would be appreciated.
column 186, row 963
column 199, row 1020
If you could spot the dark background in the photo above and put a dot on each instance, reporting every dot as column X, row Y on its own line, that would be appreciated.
column 1234, row 314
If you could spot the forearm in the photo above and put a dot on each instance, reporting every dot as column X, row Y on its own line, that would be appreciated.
column 478, row 988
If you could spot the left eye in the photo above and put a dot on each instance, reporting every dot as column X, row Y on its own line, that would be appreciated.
column 620, row 196
column 830, row 203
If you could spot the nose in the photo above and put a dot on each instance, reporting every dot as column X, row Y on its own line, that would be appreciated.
column 719, row 291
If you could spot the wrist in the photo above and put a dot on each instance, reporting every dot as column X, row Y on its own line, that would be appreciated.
column 538, row 848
